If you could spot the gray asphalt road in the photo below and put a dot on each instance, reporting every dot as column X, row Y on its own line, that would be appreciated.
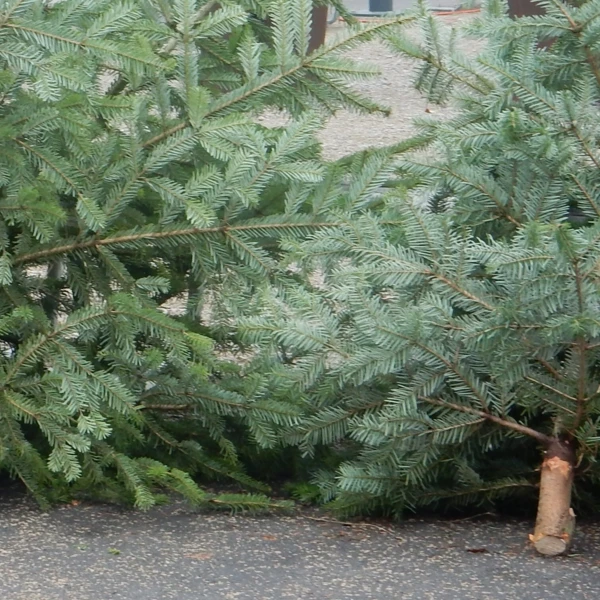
column 102, row 553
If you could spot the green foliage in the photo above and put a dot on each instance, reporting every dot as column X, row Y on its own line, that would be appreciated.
column 135, row 177
column 455, row 325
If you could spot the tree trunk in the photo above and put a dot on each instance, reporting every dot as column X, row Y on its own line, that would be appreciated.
column 555, row 521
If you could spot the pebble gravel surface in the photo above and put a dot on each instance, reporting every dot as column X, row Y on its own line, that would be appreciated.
column 393, row 88
column 96, row 552
column 85, row 552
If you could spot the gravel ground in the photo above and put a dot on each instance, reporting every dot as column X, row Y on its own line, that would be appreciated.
column 102, row 553
column 348, row 132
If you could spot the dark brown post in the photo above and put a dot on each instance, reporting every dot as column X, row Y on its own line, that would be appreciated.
column 524, row 8
column 527, row 8
column 319, row 28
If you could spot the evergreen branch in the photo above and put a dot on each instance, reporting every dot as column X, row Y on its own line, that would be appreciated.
column 9, row 13
column 116, row 202
column 439, row 66
column 92, row 373
column 494, row 328
column 83, row 44
column 454, row 286
column 20, row 259
column 187, row 394
column 164, row 323
column 593, row 63
column 249, row 503
column 19, row 407
column 208, row 49
column 587, row 195
column 44, row 339
column 554, row 390
column 165, row 134
column 581, row 349
column 46, row 34
column 266, row 82
column 587, row 149
column 434, row 430
column 561, row 7
column 51, row 165
column 159, row 434
column 577, row 30
column 519, row 83
column 246, row 248
column 451, row 366
column 560, row 407
column 414, row 143
column 159, row 235
column 549, row 368
column 463, row 179
column 543, row 439
column 434, row 275
column 431, row 430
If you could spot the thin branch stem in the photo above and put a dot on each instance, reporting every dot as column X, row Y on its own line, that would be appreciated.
column 552, row 389
column 155, row 235
column 587, row 195
column 550, row 368
column 581, row 349
column 542, row 438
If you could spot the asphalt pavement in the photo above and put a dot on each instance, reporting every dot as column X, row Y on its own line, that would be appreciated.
column 100, row 552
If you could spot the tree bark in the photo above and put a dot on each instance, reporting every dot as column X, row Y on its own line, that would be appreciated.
column 555, row 521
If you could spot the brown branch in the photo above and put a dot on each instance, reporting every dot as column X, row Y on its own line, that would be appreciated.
column 581, row 348
column 158, row 235
column 462, row 292
column 542, row 438
column 550, row 368
column 552, row 389
column 587, row 149
column 587, row 195
column 165, row 134
column 593, row 64
column 169, row 407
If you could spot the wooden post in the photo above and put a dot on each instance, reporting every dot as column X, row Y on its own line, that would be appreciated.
column 319, row 28
column 527, row 8
column 555, row 523
column 523, row 8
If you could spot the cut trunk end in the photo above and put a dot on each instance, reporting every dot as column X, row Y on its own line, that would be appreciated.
column 555, row 523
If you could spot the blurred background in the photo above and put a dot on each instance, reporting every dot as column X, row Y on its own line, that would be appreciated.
column 362, row 6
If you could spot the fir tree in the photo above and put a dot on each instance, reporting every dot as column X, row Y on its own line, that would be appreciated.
column 133, row 173
column 452, row 342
